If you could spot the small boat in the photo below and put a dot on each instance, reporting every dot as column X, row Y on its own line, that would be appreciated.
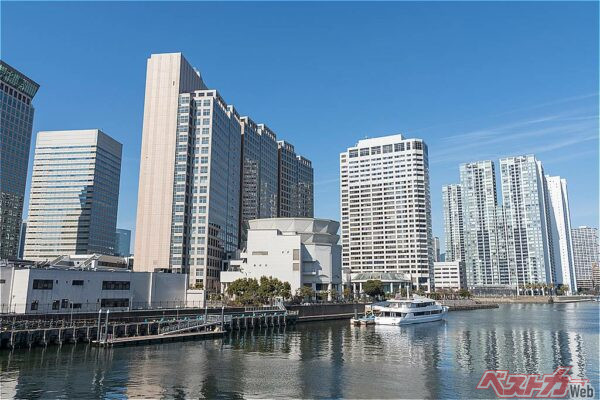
column 408, row 311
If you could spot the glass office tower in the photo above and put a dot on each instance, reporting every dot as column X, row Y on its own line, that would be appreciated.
column 74, row 195
column 16, row 124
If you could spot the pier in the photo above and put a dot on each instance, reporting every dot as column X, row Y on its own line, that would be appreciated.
column 113, row 329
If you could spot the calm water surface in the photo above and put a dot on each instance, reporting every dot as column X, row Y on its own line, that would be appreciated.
column 325, row 360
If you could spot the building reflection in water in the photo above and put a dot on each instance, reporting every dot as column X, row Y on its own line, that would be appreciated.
column 331, row 360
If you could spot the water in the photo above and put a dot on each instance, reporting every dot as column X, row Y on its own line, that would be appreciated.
column 324, row 360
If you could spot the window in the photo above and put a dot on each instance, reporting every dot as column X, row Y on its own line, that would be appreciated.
column 77, row 282
column 75, row 305
column 55, row 304
column 260, row 253
column 115, row 285
column 2, row 280
column 296, row 266
column 34, row 305
column 296, row 254
column 43, row 284
column 114, row 302
column 64, row 303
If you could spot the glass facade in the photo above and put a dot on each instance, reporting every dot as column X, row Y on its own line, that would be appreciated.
column 16, row 94
column 259, row 174
column 123, row 243
column 74, row 195
column 295, row 183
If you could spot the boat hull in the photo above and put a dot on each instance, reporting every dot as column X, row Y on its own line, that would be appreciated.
column 410, row 320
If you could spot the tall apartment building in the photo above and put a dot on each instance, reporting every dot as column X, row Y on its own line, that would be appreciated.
column 436, row 249
column 480, row 219
column 167, row 76
column 526, row 209
column 16, row 124
column 259, row 174
column 585, row 254
column 295, row 183
column 206, row 188
column 453, row 222
column 560, row 223
column 204, row 172
column 386, row 208
column 74, row 194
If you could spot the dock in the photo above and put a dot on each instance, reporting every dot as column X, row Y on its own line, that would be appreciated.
column 111, row 329
column 144, row 340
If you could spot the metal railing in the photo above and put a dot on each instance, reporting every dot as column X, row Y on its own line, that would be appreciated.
column 58, row 307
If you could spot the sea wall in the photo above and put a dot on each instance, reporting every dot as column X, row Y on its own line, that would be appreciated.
column 319, row 312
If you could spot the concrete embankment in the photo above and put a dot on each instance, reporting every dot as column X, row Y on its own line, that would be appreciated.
column 467, row 305
column 534, row 299
column 520, row 299
column 322, row 312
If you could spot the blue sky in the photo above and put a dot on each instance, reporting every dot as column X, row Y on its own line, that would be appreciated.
column 475, row 80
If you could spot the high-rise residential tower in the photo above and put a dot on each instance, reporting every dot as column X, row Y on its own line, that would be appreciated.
column 585, row 254
column 205, row 171
column 123, row 243
column 386, row 208
column 16, row 93
column 74, row 194
column 436, row 249
column 206, row 188
column 526, row 209
column 560, row 223
column 295, row 183
column 480, row 207
column 167, row 76
column 453, row 222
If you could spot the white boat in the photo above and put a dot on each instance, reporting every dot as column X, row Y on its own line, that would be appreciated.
column 408, row 311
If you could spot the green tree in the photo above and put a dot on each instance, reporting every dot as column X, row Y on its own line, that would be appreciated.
column 464, row 293
column 305, row 293
column 286, row 290
column 347, row 293
column 373, row 288
column 245, row 290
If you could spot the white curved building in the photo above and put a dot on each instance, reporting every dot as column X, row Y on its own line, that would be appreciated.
column 301, row 251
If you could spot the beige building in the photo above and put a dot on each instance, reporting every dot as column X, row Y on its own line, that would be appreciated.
column 204, row 169
column 167, row 76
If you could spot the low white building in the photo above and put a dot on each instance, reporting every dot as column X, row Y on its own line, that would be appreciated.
column 301, row 251
column 55, row 290
column 449, row 275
